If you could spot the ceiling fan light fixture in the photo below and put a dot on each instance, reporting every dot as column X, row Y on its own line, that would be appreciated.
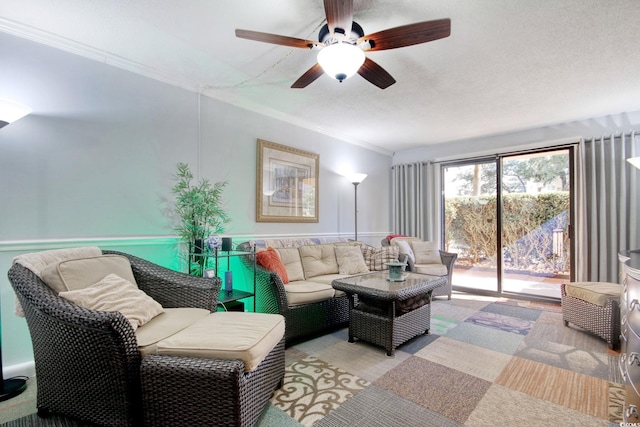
column 341, row 60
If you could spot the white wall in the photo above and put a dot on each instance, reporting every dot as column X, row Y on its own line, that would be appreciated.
column 94, row 164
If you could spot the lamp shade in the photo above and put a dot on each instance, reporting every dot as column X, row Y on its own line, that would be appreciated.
column 635, row 161
column 10, row 112
column 356, row 178
column 341, row 60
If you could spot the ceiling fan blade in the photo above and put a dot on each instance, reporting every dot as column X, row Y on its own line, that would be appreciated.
column 376, row 74
column 308, row 77
column 408, row 35
column 339, row 15
column 277, row 39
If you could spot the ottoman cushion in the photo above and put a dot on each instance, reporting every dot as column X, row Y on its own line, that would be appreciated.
column 249, row 337
column 164, row 325
column 594, row 292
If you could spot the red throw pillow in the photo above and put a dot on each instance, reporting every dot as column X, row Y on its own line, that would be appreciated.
column 270, row 260
column 393, row 236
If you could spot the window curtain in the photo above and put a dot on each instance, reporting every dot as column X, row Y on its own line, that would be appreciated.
column 415, row 200
column 607, row 205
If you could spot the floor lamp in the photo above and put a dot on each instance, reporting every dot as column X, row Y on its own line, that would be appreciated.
column 356, row 178
column 10, row 112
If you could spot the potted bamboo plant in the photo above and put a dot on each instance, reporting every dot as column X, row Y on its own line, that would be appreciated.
column 199, row 207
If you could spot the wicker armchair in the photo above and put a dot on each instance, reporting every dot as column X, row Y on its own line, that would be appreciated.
column 89, row 367
column 448, row 259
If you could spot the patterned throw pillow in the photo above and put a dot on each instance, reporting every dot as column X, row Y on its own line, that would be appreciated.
column 270, row 260
column 375, row 258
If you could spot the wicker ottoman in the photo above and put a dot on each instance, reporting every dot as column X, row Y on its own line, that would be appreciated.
column 594, row 307
column 185, row 386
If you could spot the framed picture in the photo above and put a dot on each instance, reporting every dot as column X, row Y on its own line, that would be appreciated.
column 287, row 184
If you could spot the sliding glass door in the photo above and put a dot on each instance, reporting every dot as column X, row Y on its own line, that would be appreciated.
column 508, row 218
column 471, row 223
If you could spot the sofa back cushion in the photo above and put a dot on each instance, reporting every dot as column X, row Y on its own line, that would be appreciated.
column 292, row 263
column 75, row 274
column 350, row 260
column 426, row 252
column 376, row 258
column 270, row 259
column 318, row 260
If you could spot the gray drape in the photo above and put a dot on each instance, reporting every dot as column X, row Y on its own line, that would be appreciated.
column 415, row 189
column 607, row 205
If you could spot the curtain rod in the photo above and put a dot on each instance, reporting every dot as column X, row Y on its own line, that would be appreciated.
column 629, row 134
column 506, row 153
column 516, row 152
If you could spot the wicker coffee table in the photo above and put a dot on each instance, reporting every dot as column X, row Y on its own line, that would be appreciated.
column 374, row 301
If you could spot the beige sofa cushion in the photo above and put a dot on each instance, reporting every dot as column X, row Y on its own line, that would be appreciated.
column 426, row 252
column 433, row 269
column 113, row 293
column 79, row 273
column 171, row 321
column 305, row 292
column 318, row 260
column 350, row 260
column 249, row 337
column 292, row 263
column 594, row 292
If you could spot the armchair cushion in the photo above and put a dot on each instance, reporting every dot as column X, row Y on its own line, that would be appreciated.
column 169, row 322
column 113, row 293
column 433, row 269
column 74, row 274
column 426, row 252
column 249, row 337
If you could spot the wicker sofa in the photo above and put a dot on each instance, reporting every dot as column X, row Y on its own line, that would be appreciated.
column 324, row 309
column 89, row 365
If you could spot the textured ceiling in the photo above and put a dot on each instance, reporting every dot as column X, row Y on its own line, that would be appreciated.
column 508, row 65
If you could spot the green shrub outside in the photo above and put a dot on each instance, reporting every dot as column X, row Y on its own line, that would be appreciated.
column 528, row 225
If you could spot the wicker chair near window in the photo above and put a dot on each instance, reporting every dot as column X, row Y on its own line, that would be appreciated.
column 89, row 367
column 448, row 259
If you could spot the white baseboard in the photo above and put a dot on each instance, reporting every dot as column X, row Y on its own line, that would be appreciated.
column 26, row 369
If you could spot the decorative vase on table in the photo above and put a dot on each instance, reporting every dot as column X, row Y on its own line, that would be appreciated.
column 214, row 242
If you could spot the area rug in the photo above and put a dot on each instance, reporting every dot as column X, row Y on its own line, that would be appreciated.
column 487, row 362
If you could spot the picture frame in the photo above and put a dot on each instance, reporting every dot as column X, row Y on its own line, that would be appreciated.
column 286, row 184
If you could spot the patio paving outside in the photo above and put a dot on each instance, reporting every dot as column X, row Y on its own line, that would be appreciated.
column 548, row 287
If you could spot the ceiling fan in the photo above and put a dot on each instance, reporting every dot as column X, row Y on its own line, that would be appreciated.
column 342, row 44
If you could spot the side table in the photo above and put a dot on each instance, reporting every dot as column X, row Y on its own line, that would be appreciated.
column 230, row 301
